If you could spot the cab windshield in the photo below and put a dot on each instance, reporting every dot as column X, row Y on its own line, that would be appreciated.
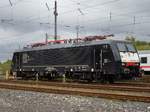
column 126, row 47
column 131, row 48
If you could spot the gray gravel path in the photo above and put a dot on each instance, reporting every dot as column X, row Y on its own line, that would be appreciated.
column 22, row 101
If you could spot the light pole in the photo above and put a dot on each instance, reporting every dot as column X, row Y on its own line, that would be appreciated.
column 78, row 27
column 56, row 14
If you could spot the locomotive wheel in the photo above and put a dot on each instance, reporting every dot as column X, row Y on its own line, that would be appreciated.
column 90, row 80
column 111, row 80
column 142, row 73
column 91, row 77
column 49, row 76
column 103, row 78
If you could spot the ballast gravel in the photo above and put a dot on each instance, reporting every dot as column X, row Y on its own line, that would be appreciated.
column 24, row 101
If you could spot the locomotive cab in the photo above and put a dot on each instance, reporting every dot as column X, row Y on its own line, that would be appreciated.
column 130, row 62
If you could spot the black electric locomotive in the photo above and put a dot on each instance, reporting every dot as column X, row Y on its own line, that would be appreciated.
column 90, row 60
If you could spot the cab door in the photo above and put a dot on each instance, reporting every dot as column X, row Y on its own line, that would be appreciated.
column 98, row 54
column 108, row 65
column 104, row 59
column 17, row 63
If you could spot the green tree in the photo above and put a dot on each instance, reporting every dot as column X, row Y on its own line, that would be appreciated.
column 140, row 45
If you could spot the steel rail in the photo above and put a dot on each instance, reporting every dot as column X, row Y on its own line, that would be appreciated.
column 116, row 87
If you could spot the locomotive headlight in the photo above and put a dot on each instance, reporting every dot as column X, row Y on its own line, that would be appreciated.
column 92, row 70
column 137, row 64
column 123, row 64
column 71, row 70
column 32, row 69
column 126, row 70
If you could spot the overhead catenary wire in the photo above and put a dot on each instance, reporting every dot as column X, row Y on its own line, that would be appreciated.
column 47, row 6
column 93, row 5
column 10, row 4
column 36, row 19
column 74, row 10
column 114, row 26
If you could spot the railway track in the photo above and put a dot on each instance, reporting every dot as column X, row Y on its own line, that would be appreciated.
column 102, row 91
column 119, row 86
column 137, row 84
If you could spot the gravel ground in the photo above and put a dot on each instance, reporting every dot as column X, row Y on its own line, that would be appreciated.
column 22, row 101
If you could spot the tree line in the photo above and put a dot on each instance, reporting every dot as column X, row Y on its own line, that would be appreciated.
column 140, row 45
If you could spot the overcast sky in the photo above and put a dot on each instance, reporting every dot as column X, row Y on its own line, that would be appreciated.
column 26, row 21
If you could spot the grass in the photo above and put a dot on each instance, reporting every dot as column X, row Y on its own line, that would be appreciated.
column 143, row 47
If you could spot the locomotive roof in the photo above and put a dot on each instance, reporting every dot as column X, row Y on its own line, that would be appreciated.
column 55, row 46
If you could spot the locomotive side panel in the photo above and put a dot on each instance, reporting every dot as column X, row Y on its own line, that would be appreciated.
column 87, row 60
column 76, row 57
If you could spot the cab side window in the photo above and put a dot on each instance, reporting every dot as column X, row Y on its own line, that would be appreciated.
column 143, row 59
